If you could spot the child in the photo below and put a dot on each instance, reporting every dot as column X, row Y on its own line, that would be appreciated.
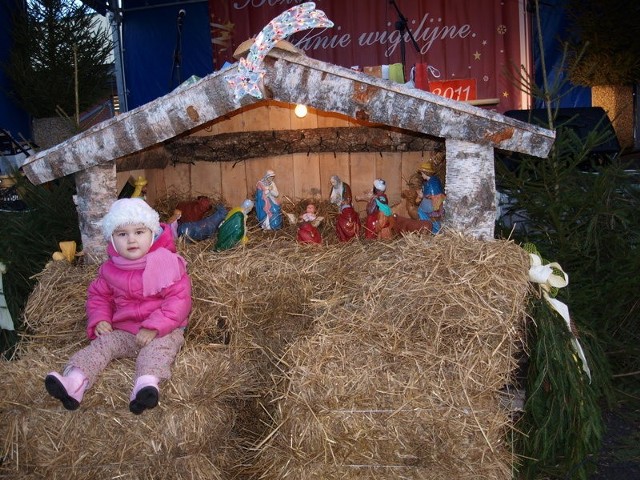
column 309, row 214
column 138, row 306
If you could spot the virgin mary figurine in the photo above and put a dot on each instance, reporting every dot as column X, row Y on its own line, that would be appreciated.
column 268, row 209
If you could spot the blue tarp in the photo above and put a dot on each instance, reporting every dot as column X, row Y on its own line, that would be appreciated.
column 554, row 22
column 150, row 37
column 12, row 118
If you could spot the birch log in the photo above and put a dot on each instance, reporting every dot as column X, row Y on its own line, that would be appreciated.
column 471, row 189
column 290, row 78
column 96, row 189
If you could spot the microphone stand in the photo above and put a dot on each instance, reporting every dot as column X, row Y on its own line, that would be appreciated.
column 177, row 53
column 401, row 26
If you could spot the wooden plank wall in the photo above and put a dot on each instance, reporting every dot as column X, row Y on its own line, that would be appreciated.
column 298, row 176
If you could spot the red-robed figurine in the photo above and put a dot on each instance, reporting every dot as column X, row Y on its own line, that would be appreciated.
column 308, row 230
column 378, row 199
column 348, row 222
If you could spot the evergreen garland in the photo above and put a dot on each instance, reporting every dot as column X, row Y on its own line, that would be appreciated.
column 562, row 425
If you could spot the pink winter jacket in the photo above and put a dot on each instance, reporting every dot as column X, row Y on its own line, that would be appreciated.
column 116, row 296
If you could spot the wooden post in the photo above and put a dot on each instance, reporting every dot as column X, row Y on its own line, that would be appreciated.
column 96, row 190
column 470, row 188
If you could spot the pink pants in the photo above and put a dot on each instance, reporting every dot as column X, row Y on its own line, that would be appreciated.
column 154, row 359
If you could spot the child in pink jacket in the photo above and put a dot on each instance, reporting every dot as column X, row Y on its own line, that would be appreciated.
column 138, row 306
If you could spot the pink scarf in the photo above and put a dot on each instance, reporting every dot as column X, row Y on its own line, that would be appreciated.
column 161, row 269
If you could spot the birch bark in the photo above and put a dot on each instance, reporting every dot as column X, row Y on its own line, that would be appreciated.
column 96, row 190
column 471, row 189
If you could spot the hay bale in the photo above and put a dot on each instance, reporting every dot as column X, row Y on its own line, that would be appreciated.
column 54, row 316
column 403, row 377
column 194, row 424
column 366, row 359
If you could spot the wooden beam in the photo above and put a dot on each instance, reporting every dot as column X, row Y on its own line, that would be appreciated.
column 243, row 145
column 294, row 78
column 164, row 118
column 156, row 156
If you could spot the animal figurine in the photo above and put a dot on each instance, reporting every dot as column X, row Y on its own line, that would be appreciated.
column 411, row 202
column 403, row 224
column 194, row 210
column 203, row 228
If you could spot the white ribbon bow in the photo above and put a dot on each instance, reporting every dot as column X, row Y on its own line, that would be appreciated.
column 547, row 278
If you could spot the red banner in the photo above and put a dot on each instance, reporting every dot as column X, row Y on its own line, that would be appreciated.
column 466, row 45
column 460, row 90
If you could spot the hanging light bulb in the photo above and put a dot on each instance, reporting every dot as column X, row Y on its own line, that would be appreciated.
column 300, row 110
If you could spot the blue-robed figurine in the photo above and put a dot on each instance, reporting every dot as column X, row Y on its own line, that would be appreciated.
column 204, row 228
column 268, row 209
column 431, row 197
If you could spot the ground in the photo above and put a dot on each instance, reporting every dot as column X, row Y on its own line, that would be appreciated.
column 620, row 455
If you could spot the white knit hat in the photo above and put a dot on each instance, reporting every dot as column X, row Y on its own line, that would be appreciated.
column 380, row 184
column 130, row 211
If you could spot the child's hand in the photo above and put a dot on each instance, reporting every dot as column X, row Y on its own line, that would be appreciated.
column 103, row 327
column 144, row 337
